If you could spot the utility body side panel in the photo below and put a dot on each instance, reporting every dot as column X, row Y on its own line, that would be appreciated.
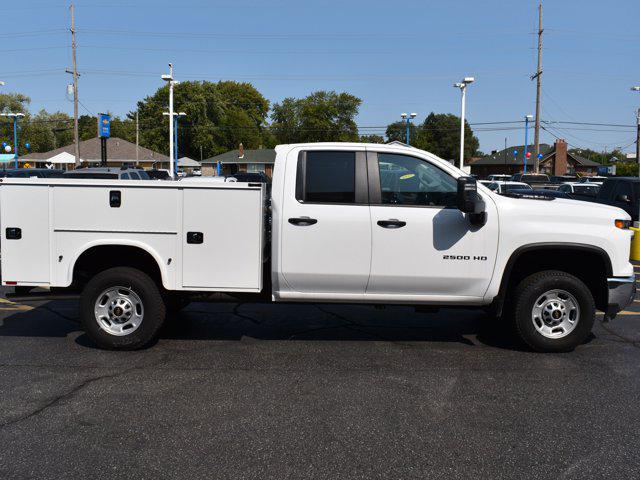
column 61, row 219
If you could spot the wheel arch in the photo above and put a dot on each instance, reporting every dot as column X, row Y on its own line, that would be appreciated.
column 564, row 255
column 113, row 253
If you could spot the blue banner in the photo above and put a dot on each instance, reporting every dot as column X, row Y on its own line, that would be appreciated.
column 104, row 125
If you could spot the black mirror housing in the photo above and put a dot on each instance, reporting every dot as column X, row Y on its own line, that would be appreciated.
column 468, row 199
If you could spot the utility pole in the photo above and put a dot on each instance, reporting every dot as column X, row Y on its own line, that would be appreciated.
column 506, row 168
column 538, row 77
column 638, row 142
column 76, row 133
column 637, row 89
column 137, row 139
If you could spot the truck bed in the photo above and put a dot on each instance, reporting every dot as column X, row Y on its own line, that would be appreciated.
column 205, row 236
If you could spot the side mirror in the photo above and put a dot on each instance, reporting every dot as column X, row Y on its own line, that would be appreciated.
column 469, row 201
column 623, row 198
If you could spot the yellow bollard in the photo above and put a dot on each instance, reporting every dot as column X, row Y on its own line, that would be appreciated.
column 635, row 244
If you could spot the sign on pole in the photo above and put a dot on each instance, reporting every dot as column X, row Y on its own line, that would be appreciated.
column 104, row 125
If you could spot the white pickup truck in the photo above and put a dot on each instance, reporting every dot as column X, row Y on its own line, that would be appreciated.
column 345, row 223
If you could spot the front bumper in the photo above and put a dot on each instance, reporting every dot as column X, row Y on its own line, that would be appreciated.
column 622, row 291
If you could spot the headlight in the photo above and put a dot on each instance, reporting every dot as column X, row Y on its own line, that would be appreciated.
column 624, row 224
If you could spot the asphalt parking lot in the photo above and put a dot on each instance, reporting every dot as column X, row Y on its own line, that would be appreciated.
column 305, row 391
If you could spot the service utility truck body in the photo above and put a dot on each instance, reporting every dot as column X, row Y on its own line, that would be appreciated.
column 349, row 223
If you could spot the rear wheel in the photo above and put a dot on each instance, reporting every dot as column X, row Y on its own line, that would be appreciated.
column 553, row 311
column 121, row 309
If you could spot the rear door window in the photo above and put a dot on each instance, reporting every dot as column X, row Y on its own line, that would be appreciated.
column 327, row 177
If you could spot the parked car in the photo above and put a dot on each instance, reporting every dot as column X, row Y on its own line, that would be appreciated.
column 158, row 174
column 594, row 179
column 621, row 192
column 503, row 187
column 346, row 230
column 108, row 173
column 540, row 192
column 559, row 179
column 31, row 172
column 536, row 180
column 499, row 178
column 585, row 189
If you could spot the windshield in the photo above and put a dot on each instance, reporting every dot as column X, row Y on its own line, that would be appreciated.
column 535, row 178
column 586, row 189
column 509, row 188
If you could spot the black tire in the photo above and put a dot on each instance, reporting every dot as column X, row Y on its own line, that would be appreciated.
column 147, row 291
column 531, row 289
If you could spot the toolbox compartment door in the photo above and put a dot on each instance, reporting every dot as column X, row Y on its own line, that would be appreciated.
column 222, row 235
column 24, row 216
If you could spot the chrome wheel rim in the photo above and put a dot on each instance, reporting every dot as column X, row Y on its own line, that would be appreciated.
column 119, row 311
column 555, row 314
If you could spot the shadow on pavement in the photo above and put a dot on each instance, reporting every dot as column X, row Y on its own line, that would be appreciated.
column 301, row 322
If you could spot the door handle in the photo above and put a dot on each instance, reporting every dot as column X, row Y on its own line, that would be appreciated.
column 303, row 221
column 195, row 238
column 393, row 223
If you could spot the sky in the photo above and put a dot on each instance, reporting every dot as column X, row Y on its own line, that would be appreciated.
column 396, row 56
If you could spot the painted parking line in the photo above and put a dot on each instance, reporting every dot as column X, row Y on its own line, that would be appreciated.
column 9, row 306
column 624, row 312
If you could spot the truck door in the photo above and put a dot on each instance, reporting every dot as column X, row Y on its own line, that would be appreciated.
column 325, row 222
column 421, row 243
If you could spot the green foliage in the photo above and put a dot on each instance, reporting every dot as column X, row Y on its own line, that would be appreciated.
column 440, row 135
column 14, row 103
column 627, row 169
column 219, row 117
column 319, row 117
column 397, row 131
column 371, row 139
column 601, row 157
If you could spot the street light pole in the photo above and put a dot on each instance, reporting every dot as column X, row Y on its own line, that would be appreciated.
column 407, row 119
column 526, row 139
column 169, row 78
column 177, row 156
column 175, row 116
column 15, row 117
column 463, row 88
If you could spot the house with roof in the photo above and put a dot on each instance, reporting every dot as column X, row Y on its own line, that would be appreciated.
column 187, row 164
column 556, row 160
column 119, row 152
column 241, row 161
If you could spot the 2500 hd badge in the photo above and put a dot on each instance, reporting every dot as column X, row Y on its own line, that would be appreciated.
column 464, row 257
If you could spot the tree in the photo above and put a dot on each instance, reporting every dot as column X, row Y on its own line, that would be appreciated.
column 397, row 131
column 601, row 157
column 440, row 134
column 319, row 117
column 372, row 138
column 14, row 102
column 219, row 117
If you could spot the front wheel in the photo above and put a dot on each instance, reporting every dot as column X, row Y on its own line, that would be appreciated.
column 121, row 309
column 553, row 311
